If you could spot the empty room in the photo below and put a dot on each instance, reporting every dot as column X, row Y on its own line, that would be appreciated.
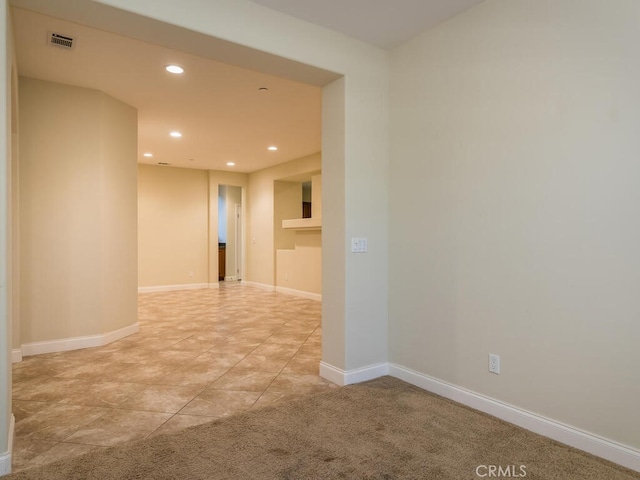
column 476, row 258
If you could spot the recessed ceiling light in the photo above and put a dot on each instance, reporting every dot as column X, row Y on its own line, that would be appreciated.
column 174, row 69
column 263, row 89
column 175, row 134
column 148, row 154
column 273, row 148
column 231, row 164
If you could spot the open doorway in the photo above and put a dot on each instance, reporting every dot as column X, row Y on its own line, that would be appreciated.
column 230, row 245
column 308, row 354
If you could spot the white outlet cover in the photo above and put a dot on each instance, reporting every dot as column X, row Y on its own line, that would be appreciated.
column 494, row 363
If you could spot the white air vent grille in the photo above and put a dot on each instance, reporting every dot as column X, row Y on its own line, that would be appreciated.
column 62, row 41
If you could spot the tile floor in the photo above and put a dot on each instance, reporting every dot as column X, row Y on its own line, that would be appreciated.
column 199, row 355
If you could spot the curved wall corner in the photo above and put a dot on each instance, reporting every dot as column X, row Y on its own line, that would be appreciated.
column 78, row 216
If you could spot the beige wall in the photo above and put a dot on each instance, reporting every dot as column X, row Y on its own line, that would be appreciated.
column 77, row 212
column 260, row 211
column 300, row 268
column 118, row 213
column 514, row 206
column 14, row 211
column 178, row 224
column 287, row 203
column 334, row 305
column 178, row 221
column 298, row 253
column 7, row 56
column 173, row 228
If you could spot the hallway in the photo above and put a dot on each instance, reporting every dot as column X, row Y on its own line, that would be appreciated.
column 199, row 355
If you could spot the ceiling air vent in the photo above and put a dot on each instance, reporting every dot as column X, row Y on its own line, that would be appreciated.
column 62, row 41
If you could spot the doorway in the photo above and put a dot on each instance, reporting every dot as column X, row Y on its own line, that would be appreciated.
column 230, row 233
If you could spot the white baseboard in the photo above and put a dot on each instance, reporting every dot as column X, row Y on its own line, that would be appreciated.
column 231, row 278
column 5, row 463
column 348, row 377
column 173, row 288
column 261, row 286
column 12, row 429
column 76, row 343
column 300, row 293
column 288, row 291
column 5, row 458
column 16, row 355
column 588, row 442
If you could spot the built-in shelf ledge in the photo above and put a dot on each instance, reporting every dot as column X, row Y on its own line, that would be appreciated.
column 303, row 224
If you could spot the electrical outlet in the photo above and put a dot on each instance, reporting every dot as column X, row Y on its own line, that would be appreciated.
column 494, row 363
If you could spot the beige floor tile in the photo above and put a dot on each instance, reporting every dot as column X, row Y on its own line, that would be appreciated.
column 215, row 337
column 202, row 353
column 48, row 389
column 250, row 336
column 130, row 354
column 119, row 427
column 309, row 351
column 236, row 348
column 217, row 359
column 146, row 373
column 147, row 342
column 81, row 371
column 26, row 450
column 36, row 370
column 196, row 346
column 103, row 394
column 29, row 362
column 23, row 409
column 262, row 363
column 220, row 403
column 161, row 398
column 172, row 356
column 303, row 365
column 288, row 338
column 244, row 380
column 295, row 329
column 193, row 376
column 56, row 422
column 314, row 340
column 276, row 350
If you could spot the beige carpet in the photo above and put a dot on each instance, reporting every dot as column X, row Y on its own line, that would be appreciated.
column 383, row 429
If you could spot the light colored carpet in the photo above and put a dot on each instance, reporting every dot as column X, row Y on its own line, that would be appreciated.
column 383, row 429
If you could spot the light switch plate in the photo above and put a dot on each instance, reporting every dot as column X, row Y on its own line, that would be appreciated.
column 359, row 245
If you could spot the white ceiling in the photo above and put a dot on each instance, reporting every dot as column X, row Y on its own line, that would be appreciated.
column 217, row 106
column 383, row 23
